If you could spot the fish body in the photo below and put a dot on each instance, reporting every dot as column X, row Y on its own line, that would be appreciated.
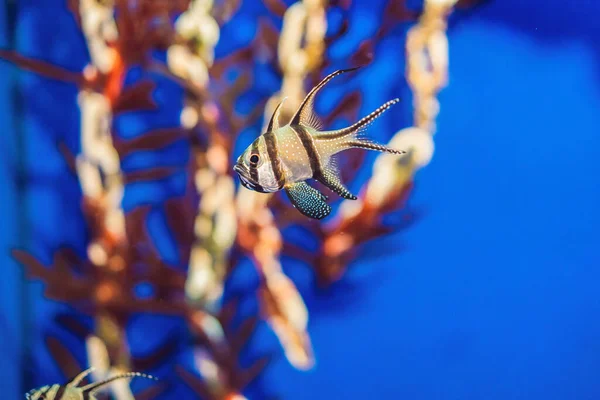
column 72, row 390
column 285, row 157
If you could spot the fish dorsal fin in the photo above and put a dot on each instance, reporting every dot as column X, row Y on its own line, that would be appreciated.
column 274, row 122
column 79, row 378
column 305, row 114
column 93, row 387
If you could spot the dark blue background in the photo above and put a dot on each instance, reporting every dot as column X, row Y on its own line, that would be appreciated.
column 493, row 293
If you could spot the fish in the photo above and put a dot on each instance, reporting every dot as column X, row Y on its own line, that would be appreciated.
column 72, row 390
column 286, row 157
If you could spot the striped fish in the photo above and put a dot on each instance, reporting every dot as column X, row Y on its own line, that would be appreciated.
column 285, row 157
column 72, row 391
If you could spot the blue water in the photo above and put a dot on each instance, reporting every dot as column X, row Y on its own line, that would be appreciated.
column 491, row 294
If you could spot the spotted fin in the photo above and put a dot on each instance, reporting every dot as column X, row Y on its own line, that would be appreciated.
column 369, row 145
column 331, row 178
column 305, row 114
column 350, row 137
column 308, row 200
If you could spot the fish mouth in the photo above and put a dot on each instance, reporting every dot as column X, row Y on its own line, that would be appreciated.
column 243, row 173
column 238, row 168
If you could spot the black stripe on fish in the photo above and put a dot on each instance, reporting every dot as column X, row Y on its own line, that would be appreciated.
column 253, row 168
column 273, row 151
column 60, row 392
column 311, row 149
column 250, row 185
column 47, row 390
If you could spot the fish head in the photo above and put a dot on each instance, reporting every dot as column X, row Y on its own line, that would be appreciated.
column 255, row 170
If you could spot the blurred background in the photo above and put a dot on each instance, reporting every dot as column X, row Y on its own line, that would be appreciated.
column 468, row 272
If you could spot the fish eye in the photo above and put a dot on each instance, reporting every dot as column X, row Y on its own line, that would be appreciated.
column 254, row 159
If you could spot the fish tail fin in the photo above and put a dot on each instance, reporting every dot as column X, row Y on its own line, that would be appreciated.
column 351, row 137
column 370, row 145
column 364, row 122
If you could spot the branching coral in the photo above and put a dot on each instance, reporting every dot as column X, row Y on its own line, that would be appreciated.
column 228, row 221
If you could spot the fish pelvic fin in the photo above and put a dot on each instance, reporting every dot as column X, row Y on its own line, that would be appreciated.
column 93, row 387
column 305, row 114
column 308, row 200
column 331, row 178
column 351, row 137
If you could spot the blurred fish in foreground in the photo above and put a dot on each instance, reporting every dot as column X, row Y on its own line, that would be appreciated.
column 72, row 390
column 215, row 223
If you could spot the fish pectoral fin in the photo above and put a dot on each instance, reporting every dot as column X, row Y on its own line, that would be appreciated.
column 308, row 200
column 331, row 179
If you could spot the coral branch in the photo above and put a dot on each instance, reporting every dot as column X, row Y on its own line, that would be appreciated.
column 151, row 174
column 137, row 97
column 44, row 69
column 215, row 224
column 153, row 140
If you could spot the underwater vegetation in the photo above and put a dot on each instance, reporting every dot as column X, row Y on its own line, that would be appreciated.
column 217, row 225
